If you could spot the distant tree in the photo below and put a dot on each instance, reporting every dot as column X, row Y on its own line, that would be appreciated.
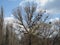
column 57, row 26
column 10, row 37
column 1, row 25
column 7, row 35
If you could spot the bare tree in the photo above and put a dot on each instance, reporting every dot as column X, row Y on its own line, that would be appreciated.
column 57, row 37
column 32, row 23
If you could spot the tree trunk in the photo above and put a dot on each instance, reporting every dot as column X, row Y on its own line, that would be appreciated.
column 7, row 37
column 29, row 39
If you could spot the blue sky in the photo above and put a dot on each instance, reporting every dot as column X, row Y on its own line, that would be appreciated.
column 51, row 5
column 8, row 5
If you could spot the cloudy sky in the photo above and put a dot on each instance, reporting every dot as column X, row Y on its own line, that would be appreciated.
column 52, row 6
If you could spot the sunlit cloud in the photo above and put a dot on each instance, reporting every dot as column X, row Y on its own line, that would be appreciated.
column 53, row 11
column 42, row 2
column 54, row 20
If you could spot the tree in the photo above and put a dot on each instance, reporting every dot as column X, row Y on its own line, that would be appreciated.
column 7, row 36
column 1, row 25
column 10, row 35
column 30, row 21
column 57, row 28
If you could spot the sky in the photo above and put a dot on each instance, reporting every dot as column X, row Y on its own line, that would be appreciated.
column 52, row 6
column 9, row 5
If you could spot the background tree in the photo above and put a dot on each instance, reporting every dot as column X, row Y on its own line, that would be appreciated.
column 1, row 25
column 56, row 24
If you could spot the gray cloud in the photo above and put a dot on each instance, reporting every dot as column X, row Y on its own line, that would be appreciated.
column 53, row 5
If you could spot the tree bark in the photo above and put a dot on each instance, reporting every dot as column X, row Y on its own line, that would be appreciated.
column 29, row 39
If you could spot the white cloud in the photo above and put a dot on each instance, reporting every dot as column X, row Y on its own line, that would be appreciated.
column 53, row 11
column 54, row 20
column 53, row 6
column 42, row 2
column 9, row 19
